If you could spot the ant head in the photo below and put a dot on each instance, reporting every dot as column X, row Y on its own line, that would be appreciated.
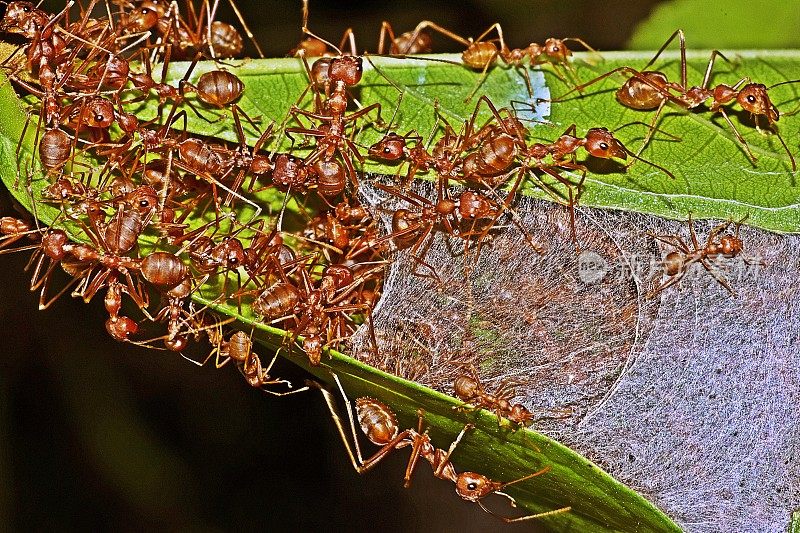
column 121, row 327
column 142, row 19
column 348, row 69
column 400, row 220
column 520, row 414
column 340, row 275
column 99, row 113
column 320, row 72
column 24, row 19
column 601, row 143
column 260, row 165
column 753, row 97
column 474, row 205
column 229, row 252
column 144, row 198
column 312, row 345
column 61, row 189
column 730, row 245
column 53, row 244
column 390, row 148
column 377, row 420
column 472, row 486
column 556, row 50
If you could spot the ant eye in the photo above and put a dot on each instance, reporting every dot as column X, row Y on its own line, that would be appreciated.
column 604, row 146
column 98, row 117
column 472, row 486
column 751, row 98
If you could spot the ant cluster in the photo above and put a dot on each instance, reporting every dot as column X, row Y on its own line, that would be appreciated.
column 145, row 210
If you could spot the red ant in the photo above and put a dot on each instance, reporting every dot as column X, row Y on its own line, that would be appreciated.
column 468, row 388
column 198, row 32
column 379, row 423
column 481, row 55
column 239, row 348
column 550, row 158
column 331, row 137
column 718, row 245
column 647, row 90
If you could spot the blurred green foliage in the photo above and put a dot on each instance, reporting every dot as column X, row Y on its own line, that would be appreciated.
column 722, row 24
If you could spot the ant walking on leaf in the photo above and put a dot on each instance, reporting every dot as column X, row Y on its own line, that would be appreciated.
column 651, row 90
column 379, row 424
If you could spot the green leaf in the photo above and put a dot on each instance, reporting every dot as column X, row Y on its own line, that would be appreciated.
column 713, row 179
column 794, row 524
column 721, row 24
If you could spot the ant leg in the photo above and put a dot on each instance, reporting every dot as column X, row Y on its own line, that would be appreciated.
column 718, row 276
column 738, row 135
column 280, row 381
column 652, row 127
column 522, row 518
column 581, row 87
column 246, row 28
column 484, row 75
column 427, row 24
column 693, row 234
column 308, row 32
column 682, row 39
column 674, row 241
column 386, row 29
column 669, row 283
column 709, row 68
column 446, row 459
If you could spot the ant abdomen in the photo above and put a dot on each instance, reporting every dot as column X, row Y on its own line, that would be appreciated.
column 55, row 147
column 164, row 269
column 640, row 91
column 377, row 420
column 277, row 301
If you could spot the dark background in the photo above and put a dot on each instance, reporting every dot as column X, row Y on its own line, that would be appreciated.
column 101, row 435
